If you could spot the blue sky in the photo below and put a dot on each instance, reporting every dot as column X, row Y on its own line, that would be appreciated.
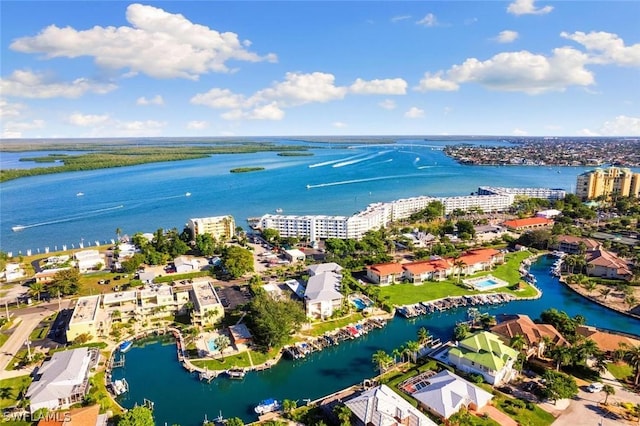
column 214, row 68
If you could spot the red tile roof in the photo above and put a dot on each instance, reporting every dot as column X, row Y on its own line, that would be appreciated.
column 427, row 266
column 527, row 222
column 384, row 269
column 473, row 257
column 532, row 332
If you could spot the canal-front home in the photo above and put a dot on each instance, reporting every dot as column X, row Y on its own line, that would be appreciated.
column 484, row 353
column 534, row 334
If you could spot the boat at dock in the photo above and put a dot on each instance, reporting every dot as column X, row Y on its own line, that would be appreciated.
column 125, row 346
column 267, row 406
column 236, row 373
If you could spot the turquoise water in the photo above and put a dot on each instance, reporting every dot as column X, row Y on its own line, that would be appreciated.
column 211, row 345
column 153, row 371
column 485, row 283
column 143, row 198
column 359, row 304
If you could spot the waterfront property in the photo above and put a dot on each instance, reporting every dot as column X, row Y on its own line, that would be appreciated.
column 86, row 318
column 605, row 264
column 571, row 244
column 385, row 273
column 484, row 283
column 445, row 393
column 528, row 224
column 321, row 296
column 207, row 308
column 87, row 260
column 534, row 334
column 61, row 381
column 550, row 194
column 484, row 353
column 221, row 228
column 607, row 182
column 381, row 406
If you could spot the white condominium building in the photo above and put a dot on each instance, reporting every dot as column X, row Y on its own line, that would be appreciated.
column 405, row 207
column 488, row 203
column 314, row 227
column 543, row 193
column 220, row 227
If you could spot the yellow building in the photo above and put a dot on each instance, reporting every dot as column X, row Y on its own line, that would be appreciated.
column 222, row 228
column 85, row 318
column 607, row 182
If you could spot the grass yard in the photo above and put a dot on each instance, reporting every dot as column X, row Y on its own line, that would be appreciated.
column 522, row 412
column 98, row 394
column 620, row 370
column 319, row 328
column 41, row 331
column 11, row 389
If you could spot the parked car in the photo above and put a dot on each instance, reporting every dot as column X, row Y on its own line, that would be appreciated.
column 595, row 387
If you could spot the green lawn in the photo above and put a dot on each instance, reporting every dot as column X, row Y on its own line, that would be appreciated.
column 10, row 390
column 405, row 294
column 319, row 328
column 41, row 331
column 98, row 394
column 620, row 370
column 525, row 414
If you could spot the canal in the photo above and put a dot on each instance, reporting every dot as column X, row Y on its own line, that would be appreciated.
column 154, row 373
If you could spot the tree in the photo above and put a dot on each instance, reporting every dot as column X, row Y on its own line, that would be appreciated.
column 459, row 264
column 632, row 357
column 206, row 244
column 461, row 331
column 66, row 281
column 137, row 416
column 518, row 342
column 234, row 421
column 273, row 321
column 559, row 385
column 222, row 342
column 423, row 335
column 271, row 235
column 344, row 414
column 605, row 292
column 562, row 355
column 608, row 390
column 381, row 359
column 35, row 289
column 237, row 261
column 413, row 347
column 289, row 405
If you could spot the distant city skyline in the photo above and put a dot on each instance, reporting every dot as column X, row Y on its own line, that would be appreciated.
column 90, row 69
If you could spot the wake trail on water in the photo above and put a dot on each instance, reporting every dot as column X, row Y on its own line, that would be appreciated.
column 70, row 218
column 360, row 160
column 326, row 163
column 349, row 182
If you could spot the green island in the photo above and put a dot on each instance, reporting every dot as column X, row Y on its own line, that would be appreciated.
column 108, row 155
column 246, row 169
column 295, row 154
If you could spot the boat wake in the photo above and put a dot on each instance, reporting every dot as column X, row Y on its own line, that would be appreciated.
column 327, row 163
column 360, row 160
column 83, row 215
column 349, row 182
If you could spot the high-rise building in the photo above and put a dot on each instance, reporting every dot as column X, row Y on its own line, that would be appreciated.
column 221, row 228
column 608, row 182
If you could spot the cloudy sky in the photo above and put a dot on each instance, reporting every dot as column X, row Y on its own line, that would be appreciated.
column 203, row 68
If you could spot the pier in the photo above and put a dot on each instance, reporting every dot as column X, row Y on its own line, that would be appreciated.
column 446, row 303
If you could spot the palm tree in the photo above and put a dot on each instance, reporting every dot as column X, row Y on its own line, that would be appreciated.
column 289, row 405
column 380, row 358
column 459, row 264
column 605, row 292
column 518, row 342
column 118, row 232
column 413, row 347
column 35, row 289
column 397, row 352
column 632, row 356
column 344, row 414
column 222, row 342
column 630, row 300
column 562, row 355
column 590, row 286
column 423, row 335
column 608, row 390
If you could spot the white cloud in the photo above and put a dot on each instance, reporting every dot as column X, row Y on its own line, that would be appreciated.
column 267, row 112
column 519, row 132
column 10, row 109
column 608, row 48
column 156, row 100
column 197, row 125
column 520, row 71
column 157, row 43
column 526, row 7
column 391, row 86
column 587, row 132
column 622, row 125
column 436, row 82
column 429, row 20
column 27, row 84
column 387, row 104
column 339, row 125
column 219, row 98
column 14, row 129
column 299, row 89
column 139, row 127
column 507, row 36
column 414, row 112
column 447, row 110
column 87, row 120
column 400, row 18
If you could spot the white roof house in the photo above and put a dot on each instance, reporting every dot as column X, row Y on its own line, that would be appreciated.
column 321, row 295
column 446, row 393
column 295, row 255
column 13, row 271
column 380, row 406
column 61, row 381
column 324, row 267
column 88, row 259
column 184, row 264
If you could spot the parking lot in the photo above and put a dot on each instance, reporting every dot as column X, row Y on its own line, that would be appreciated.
column 233, row 296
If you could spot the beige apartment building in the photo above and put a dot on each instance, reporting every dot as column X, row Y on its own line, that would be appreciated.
column 222, row 228
column 608, row 182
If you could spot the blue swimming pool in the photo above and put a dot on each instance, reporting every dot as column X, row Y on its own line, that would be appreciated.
column 485, row 283
column 359, row 304
column 211, row 345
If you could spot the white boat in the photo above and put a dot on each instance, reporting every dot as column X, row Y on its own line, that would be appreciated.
column 236, row 373
column 267, row 406
column 278, row 210
column 125, row 346
column 79, row 194
column 188, row 194
column 17, row 228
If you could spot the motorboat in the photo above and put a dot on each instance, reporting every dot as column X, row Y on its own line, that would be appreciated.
column 267, row 406
column 125, row 346
column 236, row 373
column 17, row 228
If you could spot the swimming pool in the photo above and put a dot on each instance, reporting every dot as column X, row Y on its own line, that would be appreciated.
column 487, row 282
column 211, row 345
column 359, row 304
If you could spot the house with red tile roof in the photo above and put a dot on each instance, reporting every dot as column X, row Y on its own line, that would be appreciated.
column 571, row 244
column 534, row 334
column 606, row 341
column 479, row 260
column 84, row 416
column 385, row 273
column 605, row 264
column 427, row 270
column 528, row 223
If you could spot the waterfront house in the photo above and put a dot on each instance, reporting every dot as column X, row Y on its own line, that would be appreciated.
column 571, row 244
column 605, row 264
column 321, row 297
column 87, row 260
column 534, row 334
column 84, row 416
column 484, row 353
column 445, row 393
column 61, row 381
column 427, row 270
column 13, row 272
column 385, row 273
column 86, row 318
column 324, row 267
column 240, row 334
column 607, row 341
column 480, row 260
column 528, row 224
column 381, row 406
